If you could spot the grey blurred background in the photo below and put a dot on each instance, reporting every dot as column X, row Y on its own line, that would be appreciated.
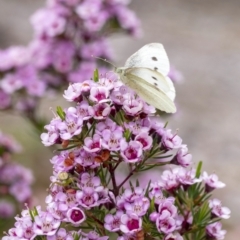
column 202, row 41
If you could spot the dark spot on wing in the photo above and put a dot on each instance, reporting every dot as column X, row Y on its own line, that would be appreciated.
column 154, row 78
column 155, row 84
column 154, row 58
column 155, row 68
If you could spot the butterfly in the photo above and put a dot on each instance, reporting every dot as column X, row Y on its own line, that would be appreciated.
column 146, row 73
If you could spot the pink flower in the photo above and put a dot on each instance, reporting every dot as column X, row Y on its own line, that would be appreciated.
column 76, row 216
column 169, row 180
column 182, row 157
column 99, row 94
column 187, row 177
column 87, row 198
column 133, row 107
column 54, row 26
column 73, row 92
column 132, row 151
column 145, row 140
column 52, row 136
column 212, row 182
column 218, row 210
column 131, row 224
column 11, row 83
column 71, row 126
column 101, row 111
column 139, row 207
column 111, row 139
column 215, row 231
column 45, row 224
column 84, row 110
column 92, row 144
column 171, row 141
column 113, row 222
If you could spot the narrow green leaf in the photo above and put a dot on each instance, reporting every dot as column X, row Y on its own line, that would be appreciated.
column 95, row 75
column 61, row 113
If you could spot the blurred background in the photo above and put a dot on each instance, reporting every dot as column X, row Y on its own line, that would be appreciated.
column 202, row 41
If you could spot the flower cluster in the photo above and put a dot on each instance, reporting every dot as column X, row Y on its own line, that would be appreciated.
column 111, row 132
column 15, row 180
column 63, row 49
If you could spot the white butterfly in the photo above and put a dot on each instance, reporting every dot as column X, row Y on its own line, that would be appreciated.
column 146, row 73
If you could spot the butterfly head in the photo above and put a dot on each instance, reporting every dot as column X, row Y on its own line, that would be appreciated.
column 119, row 71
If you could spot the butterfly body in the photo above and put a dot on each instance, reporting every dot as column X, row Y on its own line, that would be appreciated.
column 146, row 73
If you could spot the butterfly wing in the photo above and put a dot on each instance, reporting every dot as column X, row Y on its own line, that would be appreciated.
column 152, row 94
column 153, row 79
column 152, row 56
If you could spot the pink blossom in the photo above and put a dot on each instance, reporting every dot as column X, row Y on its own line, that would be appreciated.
column 131, row 151
column 73, row 92
column 11, row 83
column 139, row 207
column 218, row 210
column 113, row 222
column 92, row 144
column 212, row 182
column 133, row 107
column 61, row 234
column 145, row 140
column 52, row 136
column 171, row 141
column 54, row 26
column 99, row 94
column 76, row 216
column 87, row 198
column 45, row 224
column 111, row 140
column 131, row 224
column 71, row 126
column 84, row 110
column 182, row 157
column 215, row 231
column 169, row 180
column 101, row 111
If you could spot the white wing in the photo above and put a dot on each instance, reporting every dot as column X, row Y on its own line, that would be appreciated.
column 150, row 93
column 152, row 56
column 153, row 79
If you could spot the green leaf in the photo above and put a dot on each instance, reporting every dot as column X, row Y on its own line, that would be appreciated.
column 61, row 113
column 95, row 75
column 199, row 167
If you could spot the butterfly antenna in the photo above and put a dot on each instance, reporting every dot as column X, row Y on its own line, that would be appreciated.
column 105, row 60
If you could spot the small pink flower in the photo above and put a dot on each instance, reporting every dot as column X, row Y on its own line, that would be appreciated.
column 99, row 94
column 212, row 182
column 111, row 139
column 171, row 141
column 145, row 140
column 133, row 107
column 101, row 111
column 92, row 144
column 139, row 207
column 45, row 224
column 218, row 210
column 131, row 224
column 132, row 151
column 215, row 231
column 76, row 216
column 73, row 92
column 84, row 110
column 71, row 126
column 182, row 157
column 113, row 222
